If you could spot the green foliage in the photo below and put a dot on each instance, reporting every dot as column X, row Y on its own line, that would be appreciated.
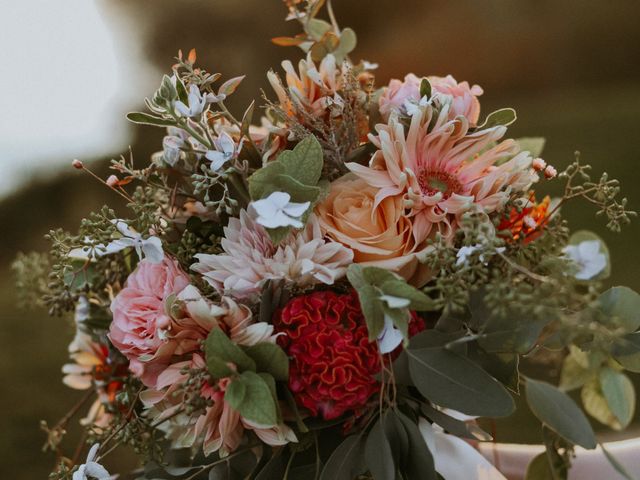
column 503, row 117
column 602, row 193
column 250, row 394
column 296, row 172
column 556, row 410
column 30, row 271
column 450, row 380
column 346, row 461
column 221, row 352
column 533, row 145
column 381, row 293
column 395, row 448
column 270, row 358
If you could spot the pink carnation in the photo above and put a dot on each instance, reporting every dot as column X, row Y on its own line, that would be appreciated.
column 463, row 97
column 142, row 329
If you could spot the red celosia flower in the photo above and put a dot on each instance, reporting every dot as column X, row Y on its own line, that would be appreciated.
column 333, row 364
column 527, row 223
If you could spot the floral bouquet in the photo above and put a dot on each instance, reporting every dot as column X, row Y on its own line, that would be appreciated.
column 339, row 292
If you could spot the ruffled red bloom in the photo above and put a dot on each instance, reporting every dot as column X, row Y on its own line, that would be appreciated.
column 333, row 364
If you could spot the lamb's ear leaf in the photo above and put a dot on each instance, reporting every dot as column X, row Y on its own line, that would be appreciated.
column 304, row 162
column 251, row 396
column 220, row 351
column 270, row 358
column 373, row 310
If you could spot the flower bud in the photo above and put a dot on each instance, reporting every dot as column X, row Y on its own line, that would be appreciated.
column 539, row 164
column 550, row 172
column 77, row 164
column 112, row 181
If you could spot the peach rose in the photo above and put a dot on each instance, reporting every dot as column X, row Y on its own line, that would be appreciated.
column 379, row 235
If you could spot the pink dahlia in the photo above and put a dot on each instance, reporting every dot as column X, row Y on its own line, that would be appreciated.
column 142, row 329
column 461, row 97
column 250, row 258
column 444, row 170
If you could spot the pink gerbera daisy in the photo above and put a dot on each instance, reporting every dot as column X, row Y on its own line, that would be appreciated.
column 442, row 169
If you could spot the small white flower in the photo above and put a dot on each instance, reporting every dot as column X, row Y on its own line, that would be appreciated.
column 277, row 211
column 92, row 469
column 395, row 302
column 83, row 310
column 212, row 98
column 465, row 252
column 172, row 143
column 587, row 257
column 151, row 247
column 90, row 251
column 196, row 105
column 369, row 65
column 414, row 107
column 390, row 337
column 225, row 150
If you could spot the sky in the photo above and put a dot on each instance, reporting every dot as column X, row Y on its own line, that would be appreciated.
column 71, row 70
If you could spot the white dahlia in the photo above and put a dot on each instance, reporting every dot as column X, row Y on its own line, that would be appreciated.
column 250, row 258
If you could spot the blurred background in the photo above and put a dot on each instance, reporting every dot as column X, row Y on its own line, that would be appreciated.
column 73, row 69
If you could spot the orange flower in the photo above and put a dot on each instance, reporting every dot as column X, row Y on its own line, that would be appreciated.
column 379, row 235
column 529, row 222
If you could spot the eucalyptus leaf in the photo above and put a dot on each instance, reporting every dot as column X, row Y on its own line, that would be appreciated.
column 510, row 335
column 539, row 468
column 419, row 463
column 621, row 307
column 616, row 464
column 347, row 461
column 620, row 395
column 453, row 381
column 378, row 454
column 397, row 436
column 559, row 412
column 574, row 374
column 454, row 426
column 595, row 404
